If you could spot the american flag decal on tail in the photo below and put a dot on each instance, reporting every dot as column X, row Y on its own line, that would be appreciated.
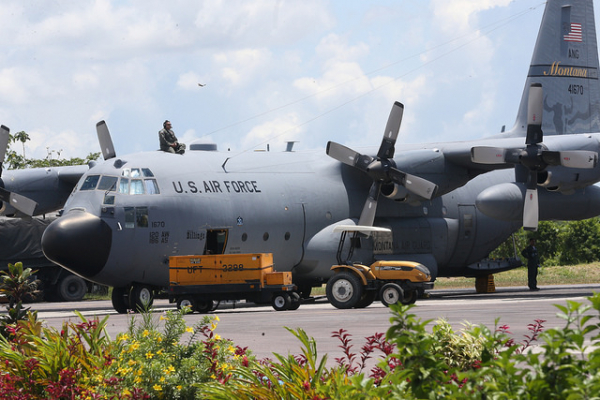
column 574, row 34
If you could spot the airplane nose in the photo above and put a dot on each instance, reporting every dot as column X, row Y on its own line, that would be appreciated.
column 78, row 241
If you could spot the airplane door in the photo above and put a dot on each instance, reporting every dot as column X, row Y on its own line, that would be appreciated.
column 216, row 241
column 466, row 233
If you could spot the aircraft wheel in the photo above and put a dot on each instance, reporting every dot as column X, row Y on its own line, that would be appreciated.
column 120, row 300
column 186, row 302
column 141, row 297
column 410, row 297
column 367, row 299
column 204, row 306
column 391, row 293
column 344, row 290
column 295, row 301
column 281, row 301
column 71, row 288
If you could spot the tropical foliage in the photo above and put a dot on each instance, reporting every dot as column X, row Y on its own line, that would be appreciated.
column 161, row 357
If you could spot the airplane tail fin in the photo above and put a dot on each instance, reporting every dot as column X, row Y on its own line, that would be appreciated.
column 565, row 62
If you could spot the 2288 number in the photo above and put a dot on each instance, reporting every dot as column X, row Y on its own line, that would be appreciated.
column 233, row 267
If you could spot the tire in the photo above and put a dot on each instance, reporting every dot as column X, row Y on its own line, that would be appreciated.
column 120, row 300
column 186, row 302
column 391, row 293
column 71, row 288
column 367, row 299
column 344, row 290
column 204, row 306
column 410, row 297
column 141, row 298
column 281, row 301
column 295, row 304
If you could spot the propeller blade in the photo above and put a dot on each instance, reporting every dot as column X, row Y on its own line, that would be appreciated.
column 535, row 108
column 4, row 136
column 414, row 184
column 387, row 149
column 21, row 203
column 530, row 210
column 488, row 155
column 342, row 153
column 106, row 143
column 367, row 216
column 578, row 159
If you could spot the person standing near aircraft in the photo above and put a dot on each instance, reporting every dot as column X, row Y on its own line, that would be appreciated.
column 168, row 140
column 533, row 262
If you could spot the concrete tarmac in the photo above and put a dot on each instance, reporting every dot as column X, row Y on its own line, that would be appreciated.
column 262, row 330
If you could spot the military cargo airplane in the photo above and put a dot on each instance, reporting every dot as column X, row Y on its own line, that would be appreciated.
column 447, row 204
column 34, row 191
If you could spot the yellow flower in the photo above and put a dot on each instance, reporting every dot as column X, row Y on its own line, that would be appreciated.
column 158, row 388
column 179, row 387
column 162, row 379
column 134, row 346
column 145, row 333
column 137, row 379
column 216, row 318
column 123, row 337
column 159, row 339
column 149, row 355
column 217, row 337
column 170, row 369
column 126, row 393
column 189, row 329
column 231, row 349
column 131, row 362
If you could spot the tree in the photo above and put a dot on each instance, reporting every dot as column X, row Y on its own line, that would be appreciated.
column 16, row 161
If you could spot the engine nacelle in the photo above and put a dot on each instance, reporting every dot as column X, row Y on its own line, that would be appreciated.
column 565, row 180
column 505, row 202
column 394, row 192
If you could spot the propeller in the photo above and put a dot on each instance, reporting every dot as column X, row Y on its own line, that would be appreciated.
column 19, row 202
column 534, row 157
column 106, row 143
column 382, row 168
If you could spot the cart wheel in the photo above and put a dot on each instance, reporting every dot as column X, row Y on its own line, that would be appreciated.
column 410, row 297
column 204, row 306
column 186, row 302
column 281, row 301
column 295, row 304
column 344, row 290
column 391, row 293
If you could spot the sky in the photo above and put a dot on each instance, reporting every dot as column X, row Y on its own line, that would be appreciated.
column 274, row 71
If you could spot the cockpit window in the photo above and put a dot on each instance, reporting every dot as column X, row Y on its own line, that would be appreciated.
column 90, row 182
column 108, row 183
column 124, row 186
column 151, row 186
column 147, row 173
column 136, row 186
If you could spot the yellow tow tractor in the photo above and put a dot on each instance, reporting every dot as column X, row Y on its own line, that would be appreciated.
column 355, row 285
column 199, row 281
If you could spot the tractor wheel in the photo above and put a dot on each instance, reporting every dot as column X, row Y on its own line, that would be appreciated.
column 410, row 297
column 391, row 293
column 367, row 299
column 344, row 290
column 281, row 301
